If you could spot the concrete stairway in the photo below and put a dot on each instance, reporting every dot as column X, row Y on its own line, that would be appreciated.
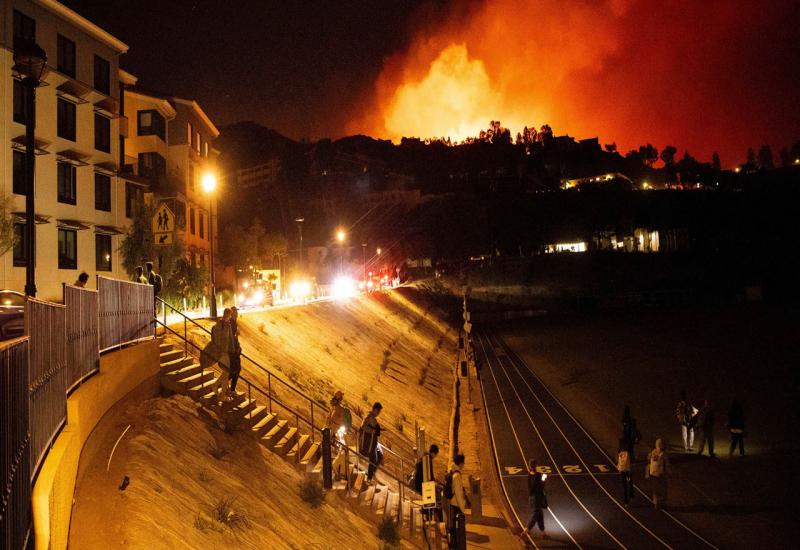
column 182, row 374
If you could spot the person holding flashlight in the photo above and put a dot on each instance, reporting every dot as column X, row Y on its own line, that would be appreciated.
column 537, row 498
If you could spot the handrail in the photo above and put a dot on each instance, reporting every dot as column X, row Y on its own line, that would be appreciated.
column 313, row 403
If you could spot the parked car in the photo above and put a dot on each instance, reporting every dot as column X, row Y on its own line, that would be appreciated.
column 12, row 314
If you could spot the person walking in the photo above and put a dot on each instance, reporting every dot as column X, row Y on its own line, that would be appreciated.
column 139, row 276
column 370, row 445
column 335, row 421
column 684, row 413
column 630, row 432
column 236, row 349
column 83, row 278
column 218, row 350
column 658, row 469
column 705, row 421
column 736, row 426
column 457, row 500
column 433, row 452
column 537, row 499
column 624, row 469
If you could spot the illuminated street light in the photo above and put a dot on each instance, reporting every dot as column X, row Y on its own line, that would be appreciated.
column 378, row 251
column 737, row 169
column 209, row 183
column 341, row 235
column 797, row 161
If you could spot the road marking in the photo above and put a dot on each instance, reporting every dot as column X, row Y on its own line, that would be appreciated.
column 513, row 470
column 546, row 447
column 577, row 455
column 514, row 357
column 602, row 467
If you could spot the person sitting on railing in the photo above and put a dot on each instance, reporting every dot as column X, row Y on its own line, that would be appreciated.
column 236, row 353
column 83, row 278
column 218, row 350
column 369, row 446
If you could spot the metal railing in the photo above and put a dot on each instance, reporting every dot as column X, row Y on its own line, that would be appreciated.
column 83, row 348
column 45, row 326
column 15, row 438
column 126, row 312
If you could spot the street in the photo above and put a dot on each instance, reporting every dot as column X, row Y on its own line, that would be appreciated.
column 583, row 487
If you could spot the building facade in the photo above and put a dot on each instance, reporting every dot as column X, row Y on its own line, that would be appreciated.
column 81, row 198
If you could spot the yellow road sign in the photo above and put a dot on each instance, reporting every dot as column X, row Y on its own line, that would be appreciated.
column 163, row 225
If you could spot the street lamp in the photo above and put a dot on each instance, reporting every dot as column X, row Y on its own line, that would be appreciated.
column 30, row 61
column 364, row 253
column 300, row 229
column 209, row 184
column 341, row 236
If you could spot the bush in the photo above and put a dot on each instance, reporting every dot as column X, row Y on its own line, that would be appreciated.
column 388, row 532
column 222, row 511
column 311, row 492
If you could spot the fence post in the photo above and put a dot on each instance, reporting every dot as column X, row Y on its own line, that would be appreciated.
column 327, row 466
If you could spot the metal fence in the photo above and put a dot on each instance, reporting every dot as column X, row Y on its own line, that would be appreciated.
column 15, row 438
column 126, row 312
column 83, row 351
column 45, row 326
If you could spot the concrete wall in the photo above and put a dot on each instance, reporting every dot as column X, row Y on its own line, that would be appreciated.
column 120, row 373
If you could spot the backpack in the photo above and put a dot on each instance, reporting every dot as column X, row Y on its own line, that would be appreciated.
column 348, row 420
column 623, row 461
column 448, row 486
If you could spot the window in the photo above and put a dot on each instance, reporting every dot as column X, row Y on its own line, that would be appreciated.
column 102, row 252
column 24, row 28
column 151, row 123
column 20, row 183
column 66, row 119
column 102, row 192
column 20, row 245
column 202, row 221
column 102, row 75
column 102, row 133
column 191, row 176
column 66, row 183
column 196, row 143
column 205, row 149
column 133, row 195
column 152, row 165
column 66, row 56
column 190, row 133
column 67, row 249
column 191, row 221
column 20, row 114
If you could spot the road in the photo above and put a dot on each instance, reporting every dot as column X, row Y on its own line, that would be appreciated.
column 583, row 488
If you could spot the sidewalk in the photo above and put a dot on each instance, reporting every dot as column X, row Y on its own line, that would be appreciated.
column 491, row 530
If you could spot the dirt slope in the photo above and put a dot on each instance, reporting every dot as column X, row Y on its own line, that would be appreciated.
column 175, row 481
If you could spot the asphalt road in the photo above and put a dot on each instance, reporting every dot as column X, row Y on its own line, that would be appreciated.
column 584, row 490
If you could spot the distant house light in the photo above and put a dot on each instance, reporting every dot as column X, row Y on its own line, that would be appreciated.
column 565, row 247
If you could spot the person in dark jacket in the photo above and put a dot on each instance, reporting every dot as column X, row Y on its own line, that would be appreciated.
column 537, row 499
column 369, row 445
column 432, row 453
column 705, row 422
column 736, row 426
column 630, row 431
column 236, row 349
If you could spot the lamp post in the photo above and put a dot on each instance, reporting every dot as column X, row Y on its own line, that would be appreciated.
column 209, row 186
column 300, row 229
column 364, row 253
column 341, row 236
column 30, row 61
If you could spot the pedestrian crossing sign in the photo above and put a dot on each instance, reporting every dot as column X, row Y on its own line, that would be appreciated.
column 163, row 225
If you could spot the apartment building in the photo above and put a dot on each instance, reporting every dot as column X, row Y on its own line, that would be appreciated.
column 169, row 145
column 80, row 196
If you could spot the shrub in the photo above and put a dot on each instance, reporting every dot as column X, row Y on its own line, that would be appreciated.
column 311, row 492
column 222, row 511
column 203, row 524
column 218, row 452
column 388, row 532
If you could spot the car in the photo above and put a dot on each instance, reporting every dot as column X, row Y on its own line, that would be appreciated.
column 12, row 314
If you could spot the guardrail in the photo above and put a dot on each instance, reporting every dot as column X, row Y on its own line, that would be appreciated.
column 126, row 312
column 15, row 439
column 45, row 326
column 83, row 348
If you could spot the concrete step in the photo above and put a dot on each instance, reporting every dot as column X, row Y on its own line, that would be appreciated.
column 286, row 443
column 170, row 355
column 366, row 496
column 180, row 369
column 241, row 407
column 310, row 455
column 264, row 425
column 175, row 364
column 357, row 481
column 165, row 346
column 275, row 434
column 254, row 415
column 392, row 505
column 405, row 513
column 201, row 391
column 300, row 446
column 379, row 499
column 194, row 380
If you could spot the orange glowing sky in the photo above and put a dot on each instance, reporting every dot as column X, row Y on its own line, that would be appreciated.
column 715, row 75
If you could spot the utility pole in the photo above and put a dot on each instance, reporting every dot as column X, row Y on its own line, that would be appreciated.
column 300, row 229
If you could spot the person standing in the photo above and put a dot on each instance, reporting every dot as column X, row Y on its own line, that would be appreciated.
column 236, row 349
column 706, row 423
column 457, row 500
column 154, row 279
column 218, row 350
column 139, row 276
column 658, row 469
column 83, row 278
column 537, row 499
column 684, row 414
column 370, row 446
column 624, row 468
column 433, row 452
column 335, row 420
column 630, row 432
column 736, row 426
